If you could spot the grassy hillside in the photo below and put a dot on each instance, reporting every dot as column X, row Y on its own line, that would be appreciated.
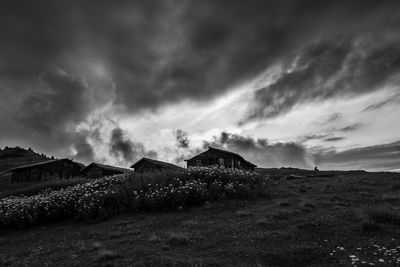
column 351, row 218
column 293, row 173
column 11, row 157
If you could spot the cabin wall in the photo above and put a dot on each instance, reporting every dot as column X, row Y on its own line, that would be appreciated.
column 98, row 171
column 145, row 166
column 246, row 166
column 70, row 170
column 20, row 176
column 210, row 158
column 46, row 172
column 202, row 159
column 93, row 172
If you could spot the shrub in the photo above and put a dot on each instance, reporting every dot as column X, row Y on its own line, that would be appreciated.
column 177, row 238
column 383, row 215
column 112, row 195
column 309, row 204
column 391, row 197
column 396, row 187
column 284, row 203
column 370, row 226
column 104, row 255
column 33, row 189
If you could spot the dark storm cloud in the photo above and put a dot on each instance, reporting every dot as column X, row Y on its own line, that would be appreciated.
column 162, row 51
column 221, row 43
column 182, row 139
column 313, row 70
column 313, row 137
column 143, row 54
column 84, row 151
column 53, row 108
column 330, row 68
column 84, row 141
column 61, row 100
column 351, row 128
column 262, row 153
column 122, row 146
column 334, row 139
column 45, row 113
column 379, row 157
column 324, row 137
column 332, row 134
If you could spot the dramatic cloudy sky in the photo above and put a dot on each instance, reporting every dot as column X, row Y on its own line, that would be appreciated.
column 283, row 82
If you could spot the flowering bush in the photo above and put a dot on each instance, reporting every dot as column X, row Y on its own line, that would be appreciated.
column 112, row 195
column 30, row 189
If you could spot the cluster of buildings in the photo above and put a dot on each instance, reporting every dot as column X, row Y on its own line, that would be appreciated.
column 66, row 168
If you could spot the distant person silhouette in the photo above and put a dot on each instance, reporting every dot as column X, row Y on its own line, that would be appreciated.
column 316, row 169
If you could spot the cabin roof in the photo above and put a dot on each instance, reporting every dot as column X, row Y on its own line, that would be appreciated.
column 45, row 163
column 158, row 163
column 106, row 167
column 223, row 151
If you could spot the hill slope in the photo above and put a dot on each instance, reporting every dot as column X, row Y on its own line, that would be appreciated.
column 346, row 220
column 12, row 157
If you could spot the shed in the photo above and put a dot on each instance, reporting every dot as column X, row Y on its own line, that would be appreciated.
column 215, row 156
column 46, row 171
column 152, row 165
column 96, row 170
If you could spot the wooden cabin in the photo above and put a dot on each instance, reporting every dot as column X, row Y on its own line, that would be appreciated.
column 46, row 171
column 96, row 170
column 152, row 165
column 215, row 156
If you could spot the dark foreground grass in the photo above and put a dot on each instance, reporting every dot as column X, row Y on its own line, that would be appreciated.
column 324, row 226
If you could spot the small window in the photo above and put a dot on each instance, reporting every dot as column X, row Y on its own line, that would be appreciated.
column 221, row 162
column 198, row 162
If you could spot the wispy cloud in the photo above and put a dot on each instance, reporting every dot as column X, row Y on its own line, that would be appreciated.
column 334, row 139
column 392, row 100
column 351, row 128
column 379, row 157
column 328, row 69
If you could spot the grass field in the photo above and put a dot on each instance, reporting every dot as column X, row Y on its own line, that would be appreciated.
column 332, row 219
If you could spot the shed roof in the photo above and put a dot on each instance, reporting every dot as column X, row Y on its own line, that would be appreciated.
column 106, row 167
column 158, row 163
column 45, row 163
column 226, row 152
